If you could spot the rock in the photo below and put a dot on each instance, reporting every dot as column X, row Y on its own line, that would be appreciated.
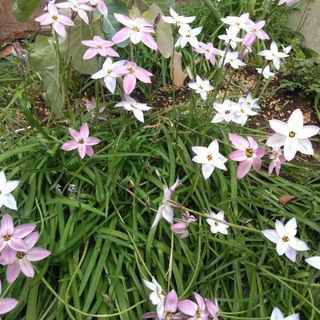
column 11, row 29
column 305, row 19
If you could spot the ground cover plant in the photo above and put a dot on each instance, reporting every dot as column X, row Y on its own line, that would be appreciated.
column 141, row 188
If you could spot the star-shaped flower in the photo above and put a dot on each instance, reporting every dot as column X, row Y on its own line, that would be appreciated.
column 284, row 236
column 209, row 158
column 293, row 135
column 217, row 226
column 6, row 187
column 201, row 86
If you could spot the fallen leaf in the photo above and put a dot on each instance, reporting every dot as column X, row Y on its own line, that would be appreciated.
column 177, row 73
column 283, row 200
column 7, row 51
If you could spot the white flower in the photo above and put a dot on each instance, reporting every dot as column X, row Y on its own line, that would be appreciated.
column 109, row 76
column 6, row 187
column 201, row 86
column 237, row 23
column 278, row 315
column 157, row 298
column 245, row 109
column 274, row 54
column 176, row 19
column 209, row 158
column 231, row 38
column 188, row 35
column 293, row 135
column 284, row 237
column 314, row 262
column 137, row 108
column 165, row 210
column 232, row 58
column 265, row 72
column 216, row 226
column 226, row 111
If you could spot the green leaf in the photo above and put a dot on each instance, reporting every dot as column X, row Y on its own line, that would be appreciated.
column 22, row 9
column 74, row 50
column 109, row 23
column 45, row 63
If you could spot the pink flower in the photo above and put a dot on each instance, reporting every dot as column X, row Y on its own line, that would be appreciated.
column 77, row 6
column 182, row 224
column 213, row 308
column 137, row 29
column 209, row 51
column 170, row 307
column 100, row 5
column 21, row 260
column 248, row 153
column 98, row 46
column 91, row 105
column 254, row 31
column 277, row 158
column 131, row 73
column 192, row 310
column 81, row 141
column 11, row 237
column 7, row 304
column 57, row 20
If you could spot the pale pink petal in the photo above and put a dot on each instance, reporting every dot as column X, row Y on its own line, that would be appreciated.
column 89, row 151
column 84, row 131
column 199, row 300
column 121, row 35
column 188, row 307
column 59, row 28
column 126, row 21
column 82, row 150
column 31, row 239
column 36, row 254
column 83, row 15
column 238, row 141
column 24, row 229
column 91, row 141
column 17, row 244
column 291, row 254
column 142, row 75
column 129, row 83
column 257, row 163
column 148, row 40
column 90, row 53
column 26, row 268
column 7, row 304
column 178, row 227
column 90, row 43
column 7, row 227
column 244, row 168
column 101, row 6
column 238, row 155
column 13, row 271
column 171, row 303
column 70, row 145
column 74, row 133
column 65, row 20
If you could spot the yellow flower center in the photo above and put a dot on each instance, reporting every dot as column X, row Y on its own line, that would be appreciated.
column 249, row 153
column 20, row 255
column 81, row 141
column 54, row 18
column 6, row 238
column 285, row 239
column 209, row 157
column 136, row 29
column 292, row 134
column 216, row 223
column 130, row 70
column 227, row 111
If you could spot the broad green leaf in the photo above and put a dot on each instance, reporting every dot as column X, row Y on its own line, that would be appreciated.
column 110, row 25
column 74, row 50
column 23, row 9
column 45, row 63
column 164, row 35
